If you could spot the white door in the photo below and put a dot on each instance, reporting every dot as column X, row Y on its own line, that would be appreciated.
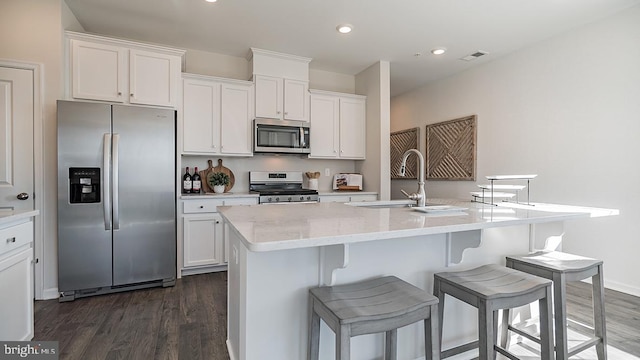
column 16, row 139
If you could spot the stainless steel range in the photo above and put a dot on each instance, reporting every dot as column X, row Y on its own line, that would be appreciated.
column 280, row 187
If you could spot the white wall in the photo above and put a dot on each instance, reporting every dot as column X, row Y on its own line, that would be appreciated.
column 374, row 83
column 32, row 31
column 567, row 109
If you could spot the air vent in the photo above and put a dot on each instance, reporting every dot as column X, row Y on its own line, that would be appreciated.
column 474, row 55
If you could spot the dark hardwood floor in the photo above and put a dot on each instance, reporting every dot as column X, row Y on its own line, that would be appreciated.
column 188, row 322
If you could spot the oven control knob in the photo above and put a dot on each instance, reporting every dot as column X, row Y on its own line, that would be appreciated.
column 269, row 199
column 309, row 198
column 277, row 199
column 301, row 198
column 289, row 199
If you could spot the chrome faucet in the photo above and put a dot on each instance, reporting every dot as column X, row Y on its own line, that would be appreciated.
column 420, row 197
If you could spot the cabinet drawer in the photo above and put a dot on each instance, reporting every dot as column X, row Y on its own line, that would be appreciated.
column 15, row 236
column 240, row 201
column 201, row 206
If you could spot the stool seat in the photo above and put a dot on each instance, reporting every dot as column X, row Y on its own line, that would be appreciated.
column 372, row 306
column 376, row 299
column 556, row 261
column 493, row 281
column 563, row 267
column 491, row 288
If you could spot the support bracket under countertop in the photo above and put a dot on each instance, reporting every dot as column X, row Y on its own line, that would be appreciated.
column 332, row 259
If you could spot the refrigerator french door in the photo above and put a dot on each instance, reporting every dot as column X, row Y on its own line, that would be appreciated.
column 116, row 198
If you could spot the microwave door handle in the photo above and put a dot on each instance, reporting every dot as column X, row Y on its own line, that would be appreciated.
column 303, row 144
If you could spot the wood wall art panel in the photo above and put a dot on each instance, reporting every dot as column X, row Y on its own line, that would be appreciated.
column 451, row 149
column 402, row 141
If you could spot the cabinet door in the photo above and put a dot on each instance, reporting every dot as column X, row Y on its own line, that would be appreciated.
column 367, row 197
column 98, row 72
column 153, row 78
column 202, row 236
column 268, row 97
column 201, row 117
column 324, row 126
column 296, row 100
column 236, row 119
column 16, row 297
column 352, row 128
column 334, row 198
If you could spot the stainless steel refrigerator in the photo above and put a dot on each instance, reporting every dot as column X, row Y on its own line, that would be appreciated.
column 116, row 198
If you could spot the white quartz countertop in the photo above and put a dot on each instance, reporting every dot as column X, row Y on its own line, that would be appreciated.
column 291, row 226
column 9, row 216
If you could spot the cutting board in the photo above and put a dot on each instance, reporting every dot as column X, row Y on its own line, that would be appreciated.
column 204, row 174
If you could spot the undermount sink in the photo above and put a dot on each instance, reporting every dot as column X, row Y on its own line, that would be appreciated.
column 383, row 203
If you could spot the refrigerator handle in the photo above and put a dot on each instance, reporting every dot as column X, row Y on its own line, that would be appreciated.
column 106, row 189
column 116, row 211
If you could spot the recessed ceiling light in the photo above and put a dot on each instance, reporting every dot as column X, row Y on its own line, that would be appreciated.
column 438, row 51
column 210, row 0
column 344, row 28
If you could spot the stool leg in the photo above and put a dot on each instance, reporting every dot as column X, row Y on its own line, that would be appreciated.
column 485, row 331
column 560, row 315
column 343, row 342
column 391, row 345
column 437, row 291
column 313, row 346
column 546, row 326
column 599, row 314
column 431, row 338
column 504, row 329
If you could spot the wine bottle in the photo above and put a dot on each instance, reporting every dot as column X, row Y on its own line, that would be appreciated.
column 196, row 182
column 187, row 184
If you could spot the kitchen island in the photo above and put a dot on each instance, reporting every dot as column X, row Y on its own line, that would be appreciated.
column 278, row 252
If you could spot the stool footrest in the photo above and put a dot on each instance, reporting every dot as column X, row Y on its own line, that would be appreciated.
column 535, row 338
column 583, row 346
column 459, row 349
column 506, row 353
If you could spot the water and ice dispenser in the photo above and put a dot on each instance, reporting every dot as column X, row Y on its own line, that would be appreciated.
column 84, row 185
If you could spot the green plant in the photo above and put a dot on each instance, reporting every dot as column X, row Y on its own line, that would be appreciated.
column 219, row 179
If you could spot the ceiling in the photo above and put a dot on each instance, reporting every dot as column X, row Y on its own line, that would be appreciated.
column 390, row 30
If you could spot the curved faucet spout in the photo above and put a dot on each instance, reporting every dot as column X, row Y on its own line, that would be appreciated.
column 420, row 196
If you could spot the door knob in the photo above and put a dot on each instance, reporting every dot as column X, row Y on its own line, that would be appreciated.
column 23, row 196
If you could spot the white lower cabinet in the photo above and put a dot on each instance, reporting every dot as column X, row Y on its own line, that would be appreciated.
column 16, row 282
column 204, row 244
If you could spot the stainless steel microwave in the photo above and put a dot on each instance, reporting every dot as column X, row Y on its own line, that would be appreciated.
column 281, row 136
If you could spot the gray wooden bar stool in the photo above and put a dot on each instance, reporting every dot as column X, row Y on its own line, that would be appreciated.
column 491, row 288
column 561, row 268
column 373, row 306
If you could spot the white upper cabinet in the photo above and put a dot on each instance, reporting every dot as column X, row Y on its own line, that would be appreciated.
column 282, row 85
column 216, row 116
column 279, row 98
column 122, row 71
column 98, row 71
column 338, row 125
column 152, row 78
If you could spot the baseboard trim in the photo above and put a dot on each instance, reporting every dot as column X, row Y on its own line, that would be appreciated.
column 627, row 289
column 232, row 356
column 50, row 293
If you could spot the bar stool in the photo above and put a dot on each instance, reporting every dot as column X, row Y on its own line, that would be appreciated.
column 379, row 305
column 491, row 288
column 562, row 267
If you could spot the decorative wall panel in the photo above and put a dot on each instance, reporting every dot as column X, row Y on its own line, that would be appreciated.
column 402, row 141
column 451, row 149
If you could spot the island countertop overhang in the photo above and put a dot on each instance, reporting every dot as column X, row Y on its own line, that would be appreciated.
column 292, row 226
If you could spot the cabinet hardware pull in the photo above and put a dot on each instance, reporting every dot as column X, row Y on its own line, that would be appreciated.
column 11, row 240
column 217, row 221
column 201, row 206
column 131, row 95
column 119, row 93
